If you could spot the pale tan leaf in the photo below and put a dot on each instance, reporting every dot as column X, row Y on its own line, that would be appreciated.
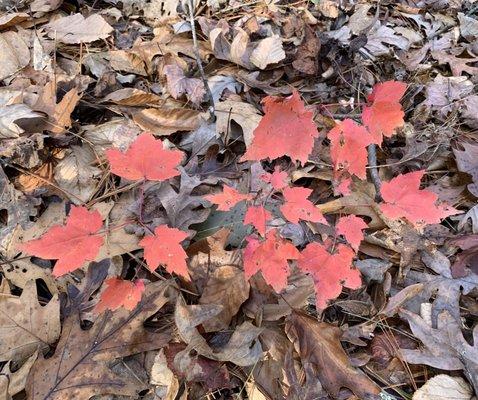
column 164, row 121
column 121, row 60
column 26, row 325
column 444, row 387
column 12, row 383
column 132, row 97
column 329, row 8
column 11, row 113
column 75, row 29
column 12, row 19
column 14, row 54
column 268, row 51
column 119, row 133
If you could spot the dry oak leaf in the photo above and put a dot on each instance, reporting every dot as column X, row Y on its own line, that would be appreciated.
column 120, row 293
column 146, row 158
column 322, row 356
column 268, row 51
column 297, row 206
column 257, row 216
column 178, row 84
column 403, row 198
column 80, row 367
column 271, row 258
column 26, row 324
column 13, row 382
column 75, row 29
column 348, row 147
column 329, row 271
column 227, row 199
column 73, row 244
column 351, row 228
column 286, row 129
column 164, row 248
column 385, row 114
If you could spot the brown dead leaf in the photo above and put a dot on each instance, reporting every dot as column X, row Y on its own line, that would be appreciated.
column 318, row 345
column 328, row 8
column 228, row 287
column 444, row 387
column 75, row 29
column 26, row 325
column 10, row 114
column 467, row 161
column 12, row 383
column 179, row 84
column 132, row 97
column 164, row 121
column 14, row 53
column 268, row 51
column 84, row 355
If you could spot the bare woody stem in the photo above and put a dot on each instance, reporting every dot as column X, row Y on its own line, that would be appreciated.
column 372, row 162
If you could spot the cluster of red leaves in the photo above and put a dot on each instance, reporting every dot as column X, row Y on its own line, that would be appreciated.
column 291, row 125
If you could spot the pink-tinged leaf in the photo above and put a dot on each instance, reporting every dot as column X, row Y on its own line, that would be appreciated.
column 329, row 271
column 120, row 293
column 73, row 244
column 343, row 187
column 278, row 179
column 271, row 258
column 348, row 148
column 385, row 114
column 146, row 158
column 297, row 206
column 257, row 216
column 351, row 228
column 228, row 198
column 287, row 129
column 164, row 248
column 403, row 198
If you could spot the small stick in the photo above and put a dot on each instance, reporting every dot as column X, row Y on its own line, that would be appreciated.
column 372, row 162
column 192, row 21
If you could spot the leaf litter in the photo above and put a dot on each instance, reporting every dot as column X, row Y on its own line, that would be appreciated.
column 238, row 200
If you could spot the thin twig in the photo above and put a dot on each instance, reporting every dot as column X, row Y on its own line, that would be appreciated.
column 212, row 108
column 372, row 162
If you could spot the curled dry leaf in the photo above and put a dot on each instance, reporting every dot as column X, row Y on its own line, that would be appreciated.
column 268, row 51
column 26, row 325
column 318, row 345
column 84, row 355
column 164, row 121
column 12, row 383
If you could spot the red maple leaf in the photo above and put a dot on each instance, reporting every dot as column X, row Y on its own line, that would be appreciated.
column 348, row 147
column 73, row 244
column 297, row 206
column 120, row 293
column 271, row 258
column 146, row 158
column 258, row 217
column 351, row 228
column 385, row 114
column 164, row 248
column 403, row 198
column 329, row 271
column 287, row 129
column 227, row 199
column 278, row 179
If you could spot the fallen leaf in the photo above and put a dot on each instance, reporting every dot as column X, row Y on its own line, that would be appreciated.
column 164, row 248
column 271, row 258
column 12, row 383
column 268, row 51
column 278, row 179
column 73, row 244
column 228, row 198
column 132, row 97
column 444, row 387
column 75, row 29
column 290, row 124
column 329, row 271
column 85, row 355
column 318, row 344
column 467, row 162
column 258, row 217
column 179, row 84
column 297, row 206
column 351, row 228
column 120, row 293
column 14, row 53
column 403, row 198
column 164, row 121
column 9, row 114
column 26, row 324
column 140, row 161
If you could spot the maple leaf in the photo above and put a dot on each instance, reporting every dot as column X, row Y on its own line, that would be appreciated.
column 146, row 158
column 227, row 199
column 351, row 228
column 278, row 179
column 348, row 147
column 297, row 206
column 385, row 114
column 164, row 248
column 403, row 198
column 73, row 244
column 329, row 271
column 287, row 129
column 271, row 258
column 258, row 217
column 120, row 293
